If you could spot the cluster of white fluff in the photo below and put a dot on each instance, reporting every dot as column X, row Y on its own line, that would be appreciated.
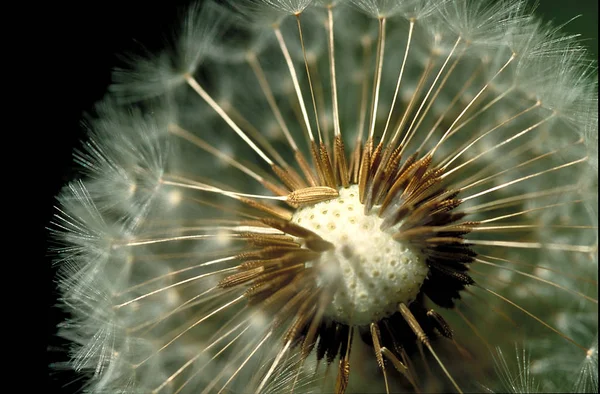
column 139, row 256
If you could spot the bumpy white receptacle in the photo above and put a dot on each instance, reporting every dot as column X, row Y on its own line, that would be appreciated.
column 370, row 271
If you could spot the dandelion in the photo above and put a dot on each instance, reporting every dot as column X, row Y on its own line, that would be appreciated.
column 339, row 196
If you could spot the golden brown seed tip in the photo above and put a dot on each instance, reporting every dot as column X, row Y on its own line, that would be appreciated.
column 311, row 195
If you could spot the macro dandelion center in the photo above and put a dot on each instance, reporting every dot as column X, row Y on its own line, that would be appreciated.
column 339, row 196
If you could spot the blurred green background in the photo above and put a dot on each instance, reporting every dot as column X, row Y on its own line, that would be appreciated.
column 586, row 22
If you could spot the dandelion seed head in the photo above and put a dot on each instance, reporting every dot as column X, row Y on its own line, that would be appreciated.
column 347, row 196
